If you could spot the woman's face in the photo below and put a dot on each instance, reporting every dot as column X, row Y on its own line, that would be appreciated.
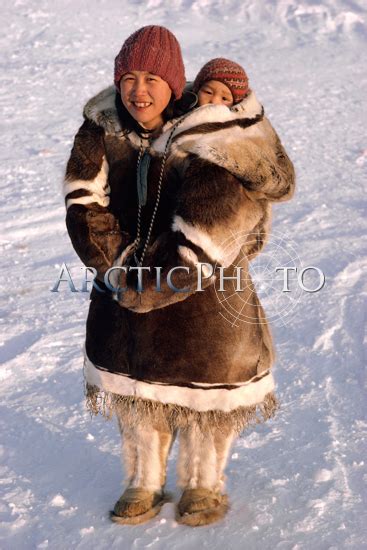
column 215, row 92
column 145, row 96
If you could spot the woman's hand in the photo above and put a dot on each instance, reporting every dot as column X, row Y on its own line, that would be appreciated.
column 173, row 280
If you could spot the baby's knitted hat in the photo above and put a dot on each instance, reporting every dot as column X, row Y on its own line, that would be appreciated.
column 226, row 71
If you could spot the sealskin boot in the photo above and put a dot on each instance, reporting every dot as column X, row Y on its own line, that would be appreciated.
column 137, row 505
column 201, row 507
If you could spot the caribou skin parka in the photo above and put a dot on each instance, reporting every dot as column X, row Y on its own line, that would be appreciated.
column 200, row 347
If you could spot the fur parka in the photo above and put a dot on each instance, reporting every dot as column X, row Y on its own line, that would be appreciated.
column 178, row 354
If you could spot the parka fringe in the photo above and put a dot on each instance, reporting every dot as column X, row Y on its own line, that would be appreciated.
column 135, row 410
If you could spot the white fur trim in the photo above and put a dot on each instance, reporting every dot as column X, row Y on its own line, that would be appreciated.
column 200, row 400
column 99, row 103
column 248, row 108
column 101, row 109
column 206, row 146
column 120, row 260
column 98, row 188
column 188, row 255
column 88, row 199
column 200, row 237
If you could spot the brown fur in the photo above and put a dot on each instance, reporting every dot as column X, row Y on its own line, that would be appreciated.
column 87, row 153
column 260, row 163
column 204, row 347
column 137, row 505
column 198, row 507
column 200, row 312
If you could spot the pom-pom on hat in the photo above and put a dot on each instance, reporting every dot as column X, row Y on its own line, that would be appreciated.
column 156, row 50
column 226, row 71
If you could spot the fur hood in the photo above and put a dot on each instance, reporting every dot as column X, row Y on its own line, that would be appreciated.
column 101, row 110
column 222, row 131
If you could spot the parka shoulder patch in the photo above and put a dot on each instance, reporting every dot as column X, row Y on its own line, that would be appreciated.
column 87, row 153
column 86, row 178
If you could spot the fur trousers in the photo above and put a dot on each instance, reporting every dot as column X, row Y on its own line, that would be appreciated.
column 201, row 461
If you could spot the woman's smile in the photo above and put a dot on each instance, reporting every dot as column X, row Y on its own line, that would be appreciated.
column 141, row 104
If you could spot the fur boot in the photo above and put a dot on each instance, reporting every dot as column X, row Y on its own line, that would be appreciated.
column 145, row 451
column 137, row 505
column 201, row 463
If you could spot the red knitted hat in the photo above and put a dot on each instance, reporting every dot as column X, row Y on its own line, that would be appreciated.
column 156, row 50
column 226, row 71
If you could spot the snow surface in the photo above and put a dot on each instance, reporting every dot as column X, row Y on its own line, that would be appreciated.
column 296, row 482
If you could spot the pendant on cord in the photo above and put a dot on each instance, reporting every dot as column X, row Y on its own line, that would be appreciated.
column 142, row 178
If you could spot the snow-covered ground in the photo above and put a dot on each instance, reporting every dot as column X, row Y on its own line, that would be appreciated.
column 295, row 482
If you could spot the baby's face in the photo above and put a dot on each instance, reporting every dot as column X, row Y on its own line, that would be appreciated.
column 215, row 92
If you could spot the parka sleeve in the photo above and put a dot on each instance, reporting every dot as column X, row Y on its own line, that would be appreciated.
column 264, row 166
column 93, row 229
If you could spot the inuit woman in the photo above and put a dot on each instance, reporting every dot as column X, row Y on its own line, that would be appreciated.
column 147, row 188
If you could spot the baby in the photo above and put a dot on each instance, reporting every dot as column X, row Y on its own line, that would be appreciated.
column 221, row 82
